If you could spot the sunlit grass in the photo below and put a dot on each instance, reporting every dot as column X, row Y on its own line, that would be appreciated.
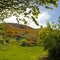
column 16, row 52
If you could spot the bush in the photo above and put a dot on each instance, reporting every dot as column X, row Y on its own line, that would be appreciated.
column 28, row 42
column 1, row 42
column 50, row 39
column 23, row 42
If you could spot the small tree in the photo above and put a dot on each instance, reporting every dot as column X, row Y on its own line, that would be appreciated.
column 59, row 23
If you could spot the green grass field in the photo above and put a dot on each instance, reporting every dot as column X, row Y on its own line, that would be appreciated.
column 16, row 52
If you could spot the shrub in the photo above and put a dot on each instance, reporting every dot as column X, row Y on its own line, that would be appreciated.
column 50, row 39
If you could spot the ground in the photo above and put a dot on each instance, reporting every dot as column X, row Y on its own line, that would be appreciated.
column 17, row 52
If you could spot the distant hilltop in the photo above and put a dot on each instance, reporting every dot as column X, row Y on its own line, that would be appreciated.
column 15, row 29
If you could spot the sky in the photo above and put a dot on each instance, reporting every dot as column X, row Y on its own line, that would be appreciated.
column 54, row 14
column 45, row 15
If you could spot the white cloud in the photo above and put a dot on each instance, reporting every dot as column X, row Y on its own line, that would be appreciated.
column 11, row 20
column 43, row 17
column 41, row 20
column 32, row 24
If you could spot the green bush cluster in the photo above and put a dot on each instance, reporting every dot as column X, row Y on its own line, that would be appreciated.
column 50, row 39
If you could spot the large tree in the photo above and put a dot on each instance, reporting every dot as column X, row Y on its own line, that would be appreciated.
column 17, row 7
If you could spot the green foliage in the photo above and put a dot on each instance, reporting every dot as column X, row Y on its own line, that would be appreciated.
column 10, row 8
column 16, row 52
column 50, row 39
column 59, row 22
column 54, row 26
column 28, row 42
column 48, row 24
column 1, row 40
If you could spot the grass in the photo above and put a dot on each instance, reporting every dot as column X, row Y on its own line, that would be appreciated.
column 16, row 52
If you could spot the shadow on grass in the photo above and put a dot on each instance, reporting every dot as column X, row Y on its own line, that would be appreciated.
column 45, row 58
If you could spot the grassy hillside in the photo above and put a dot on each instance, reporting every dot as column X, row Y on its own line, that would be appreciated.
column 22, row 34
column 18, row 30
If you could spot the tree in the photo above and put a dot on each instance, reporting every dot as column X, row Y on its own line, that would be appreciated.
column 48, row 24
column 16, row 7
column 50, row 39
column 59, row 22
column 54, row 25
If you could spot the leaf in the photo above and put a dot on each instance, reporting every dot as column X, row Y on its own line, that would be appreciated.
column 17, row 20
column 35, row 21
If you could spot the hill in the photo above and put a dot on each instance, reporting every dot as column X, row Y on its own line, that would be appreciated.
column 22, row 31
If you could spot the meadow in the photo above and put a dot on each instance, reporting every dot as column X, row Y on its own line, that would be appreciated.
column 17, row 52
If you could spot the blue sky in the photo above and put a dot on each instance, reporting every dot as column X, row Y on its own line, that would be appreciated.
column 54, row 14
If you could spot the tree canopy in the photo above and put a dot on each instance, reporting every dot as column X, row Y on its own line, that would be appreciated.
column 10, row 8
